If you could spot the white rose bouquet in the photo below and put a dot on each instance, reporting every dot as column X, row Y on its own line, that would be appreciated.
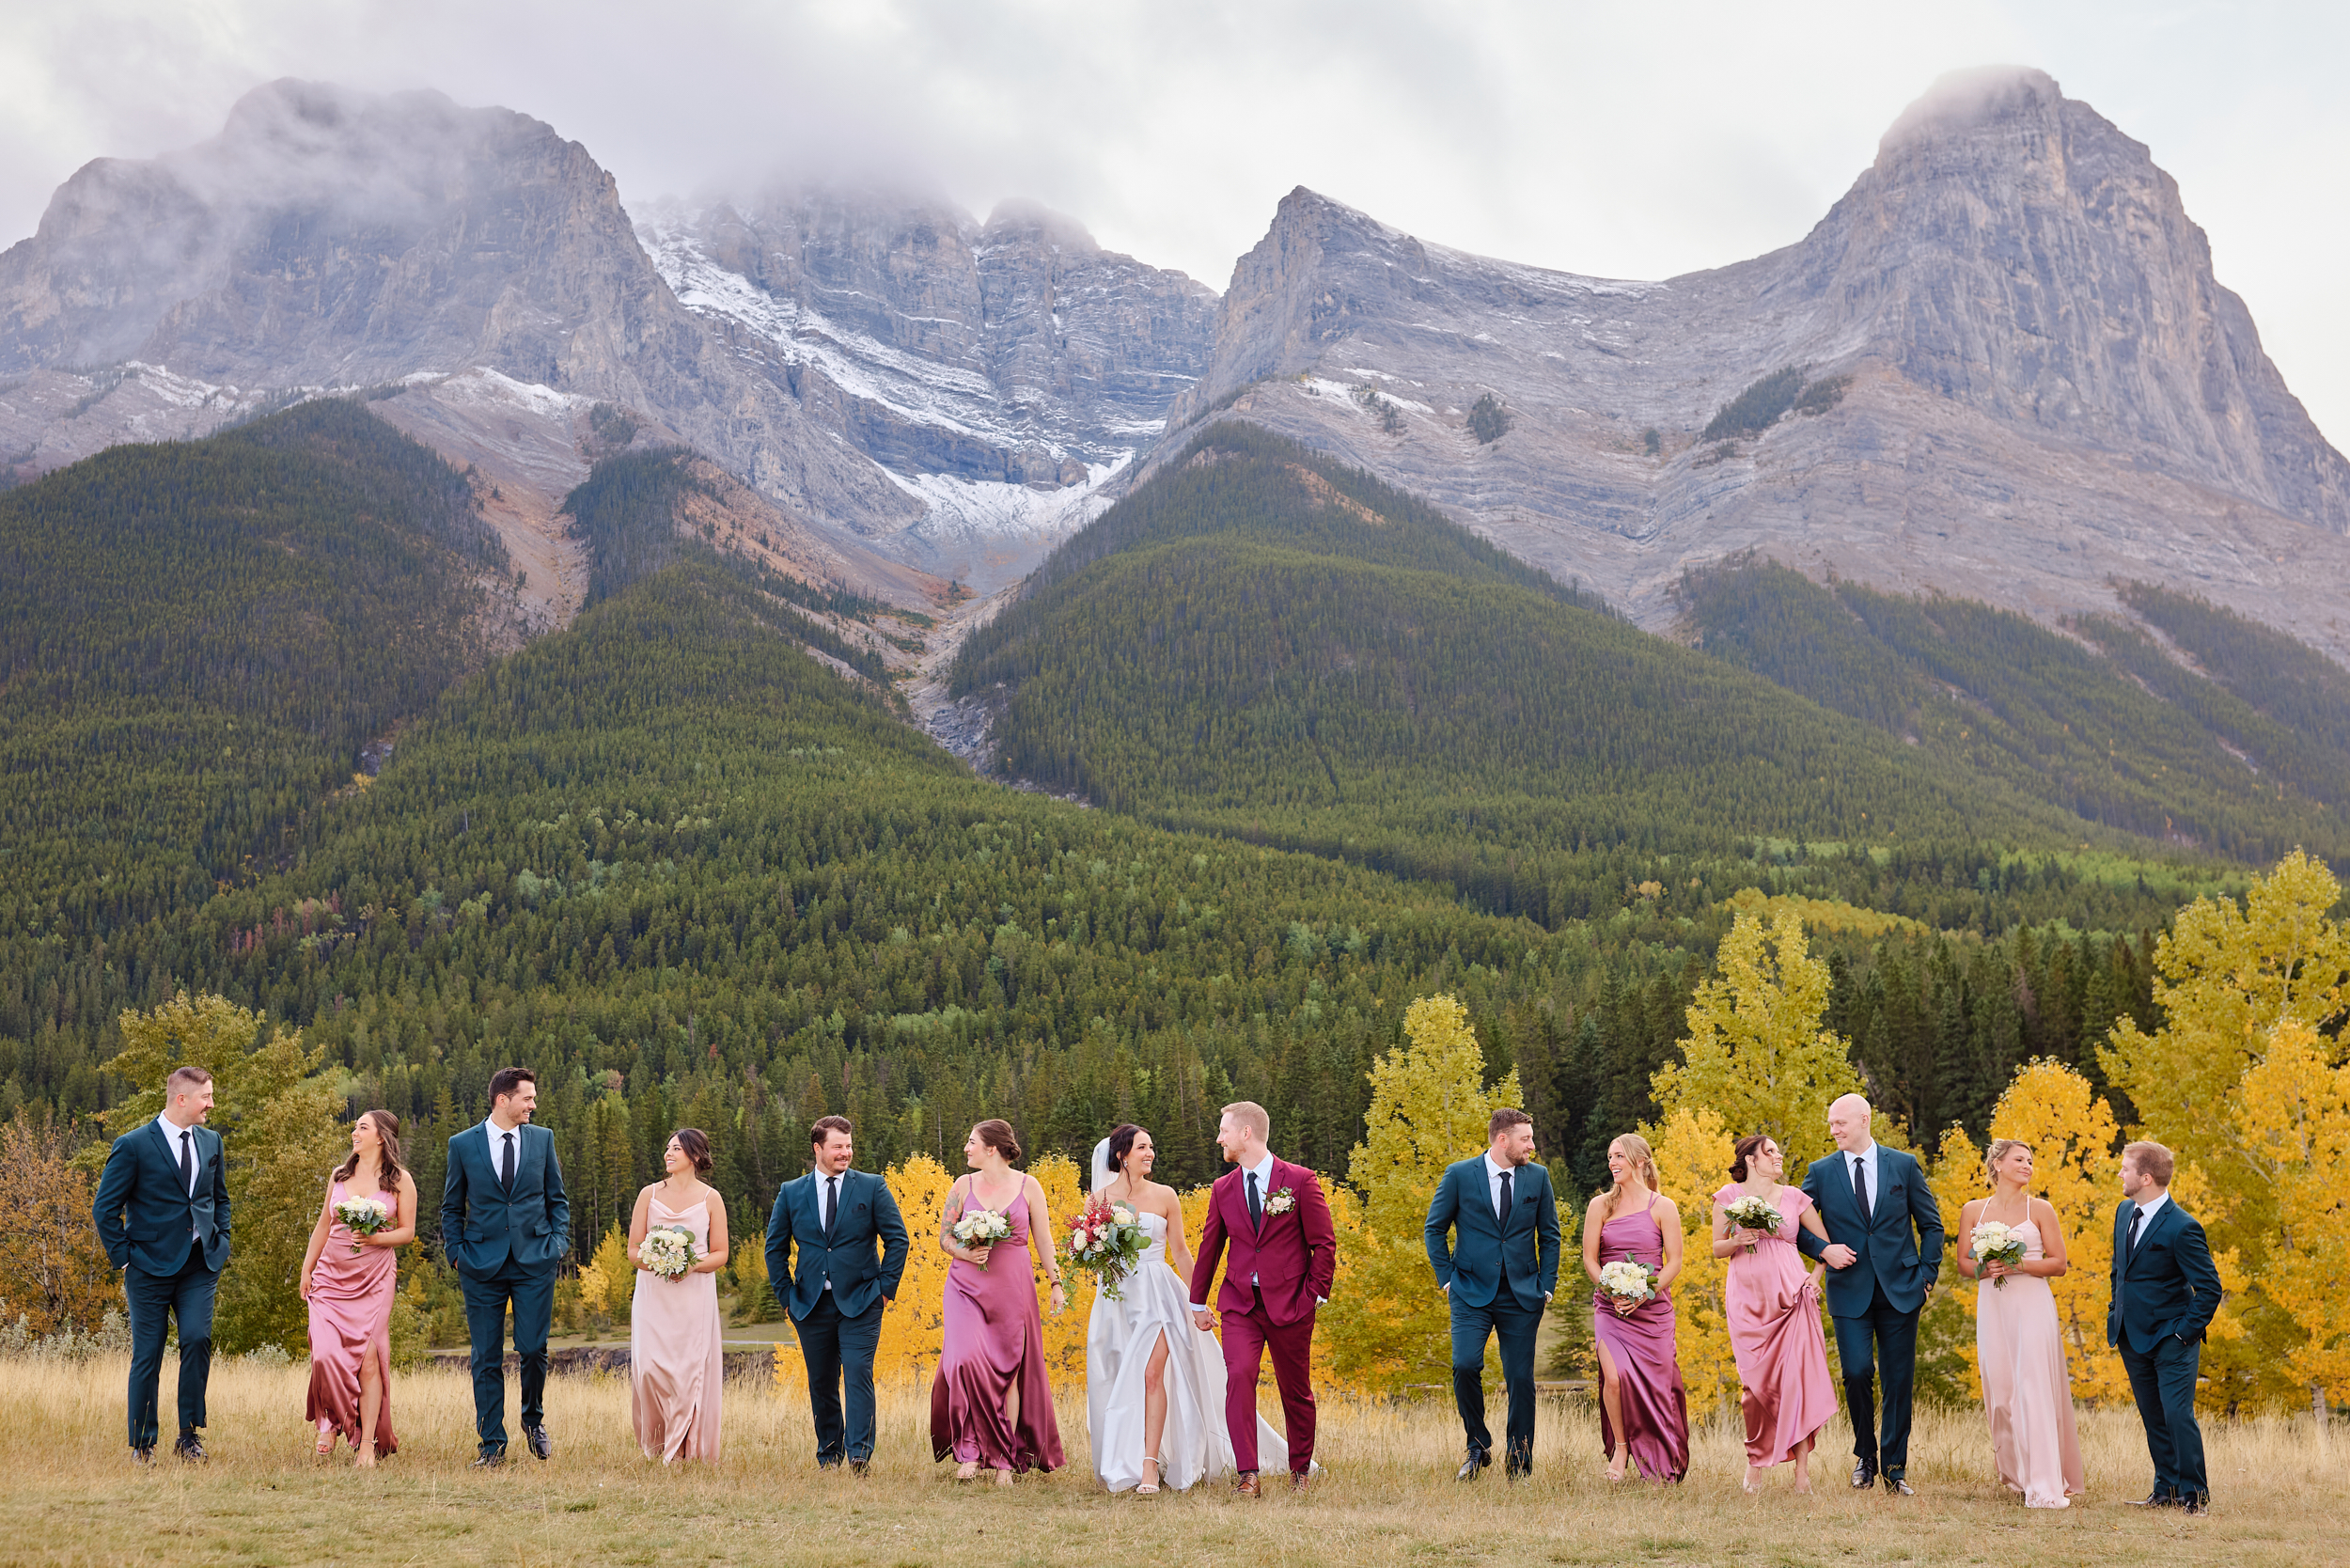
column 1105, row 1240
column 981, row 1228
column 1993, row 1243
column 363, row 1217
column 1627, row 1279
column 1754, row 1214
column 667, row 1250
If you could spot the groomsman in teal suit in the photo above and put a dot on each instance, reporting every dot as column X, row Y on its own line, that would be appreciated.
column 167, row 1178
column 1492, row 1239
column 2165, row 1293
column 852, row 1244
column 1883, row 1252
column 505, row 1224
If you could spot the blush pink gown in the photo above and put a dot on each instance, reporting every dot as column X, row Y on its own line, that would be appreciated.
column 1775, row 1334
column 994, row 1338
column 676, row 1358
column 1655, row 1405
column 351, row 1319
column 2026, row 1389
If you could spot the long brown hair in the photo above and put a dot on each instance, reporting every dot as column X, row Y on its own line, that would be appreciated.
column 388, row 1169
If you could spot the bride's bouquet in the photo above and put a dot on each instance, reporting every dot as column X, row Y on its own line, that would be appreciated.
column 1627, row 1279
column 667, row 1250
column 363, row 1217
column 982, row 1227
column 1105, row 1240
column 1754, row 1214
column 1993, row 1242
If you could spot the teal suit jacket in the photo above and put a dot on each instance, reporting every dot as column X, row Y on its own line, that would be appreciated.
column 2167, row 1288
column 1899, row 1242
column 1478, row 1262
column 864, row 1257
column 146, row 1218
column 482, row 1225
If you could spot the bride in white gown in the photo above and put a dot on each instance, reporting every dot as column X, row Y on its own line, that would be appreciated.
column 1154, row 1383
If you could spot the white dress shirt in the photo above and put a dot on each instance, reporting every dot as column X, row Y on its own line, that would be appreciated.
column 497, row 1148
column 1492, row 1185
column 175, row 1135
column 821, row 1198
column 2147, row 1209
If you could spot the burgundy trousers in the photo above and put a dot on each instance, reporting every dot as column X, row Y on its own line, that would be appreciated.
column 1246, row 1338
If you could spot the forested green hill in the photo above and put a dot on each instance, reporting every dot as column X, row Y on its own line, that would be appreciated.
column 197, row 638
column 2250, row 764
column 1277, row 649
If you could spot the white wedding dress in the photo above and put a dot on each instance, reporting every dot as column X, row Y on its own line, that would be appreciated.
column 1193, row 1445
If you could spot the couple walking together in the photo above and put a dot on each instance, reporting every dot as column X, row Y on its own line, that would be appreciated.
column 1166, row 1407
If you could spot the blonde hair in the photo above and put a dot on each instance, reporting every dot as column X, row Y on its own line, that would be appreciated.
column 1250, row 1118
column 1641, row 1157
column 2000, row 1148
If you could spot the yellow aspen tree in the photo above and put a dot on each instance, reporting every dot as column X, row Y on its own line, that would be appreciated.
column 914, row 1326
column 1065, row 1335
column 1955, row 1173
column 2225, row 978
column 1755, row 1053
column 1391, row 1329
column 2077, row 1171
column 2295, row 1122
column 1693, row 1151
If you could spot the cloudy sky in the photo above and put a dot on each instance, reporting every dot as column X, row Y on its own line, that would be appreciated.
column 1633, row 140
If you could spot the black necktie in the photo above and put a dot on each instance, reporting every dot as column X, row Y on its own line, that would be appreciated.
column 1255, row 1205
column 832, row 1204
column 506, row 1176
column 1860, row 1185
column 2130, row 1247
column 1505, row 1201
column 187, row 1161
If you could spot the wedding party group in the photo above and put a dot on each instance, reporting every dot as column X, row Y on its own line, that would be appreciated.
column 1177, row 1338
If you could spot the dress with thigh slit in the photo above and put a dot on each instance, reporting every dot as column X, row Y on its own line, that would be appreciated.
column 350, row 1318
column 993, row 1340
column 1648, row 1372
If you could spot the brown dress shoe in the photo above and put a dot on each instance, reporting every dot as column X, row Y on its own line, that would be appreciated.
column 1298, row 1481
column 1247, row 1486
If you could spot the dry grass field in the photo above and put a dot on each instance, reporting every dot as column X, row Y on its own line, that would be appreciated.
column 69, row 1494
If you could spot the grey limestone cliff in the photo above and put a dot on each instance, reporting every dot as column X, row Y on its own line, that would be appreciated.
column 2030, row 384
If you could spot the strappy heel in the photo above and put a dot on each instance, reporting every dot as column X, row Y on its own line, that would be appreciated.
column 1150, row 1488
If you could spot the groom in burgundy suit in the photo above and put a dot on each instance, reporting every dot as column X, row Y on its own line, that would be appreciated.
column 1285, row 1253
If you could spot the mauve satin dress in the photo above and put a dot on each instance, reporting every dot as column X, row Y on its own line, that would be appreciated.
column 1655, row 1405
column 351, row 1319
column 994, row 1337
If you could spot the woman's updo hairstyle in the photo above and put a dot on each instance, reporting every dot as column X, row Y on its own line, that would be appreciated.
column 1122, row 1144
column 2000, row 1148
column 996, row 1135
column 1748, row 1148
column 695, row 1145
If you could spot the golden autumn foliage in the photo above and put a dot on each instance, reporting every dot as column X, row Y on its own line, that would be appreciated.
column 2296, row 1123
column 1392, row 1327
column 54, row 1274
column 1692, row 1149
column 1755, row 1053
column 914, row 1324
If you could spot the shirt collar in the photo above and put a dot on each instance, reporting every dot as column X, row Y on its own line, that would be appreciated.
column 489, row 1125
column 1265, row 1173
column 171, row 1129
column 1868, row 1154
column 2147, row 1206
column 1495, row 1169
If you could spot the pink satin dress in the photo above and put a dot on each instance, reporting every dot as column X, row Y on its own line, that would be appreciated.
column 677, row 1363
column 1648, row 1368
column 2026, row 1388
column 351, row 1320
column 994, row 1340
column 1775, row 1334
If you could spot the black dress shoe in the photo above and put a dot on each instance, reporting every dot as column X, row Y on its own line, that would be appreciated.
column 1477, row 1459
column 858, row 1467
column 143, row 1455
column 540, row 1443
column 1864, row 1475
column 490, row 1459
column 2153, row 1499
column 190, row 1448
column 2193, row 1503
column 1897, row 1486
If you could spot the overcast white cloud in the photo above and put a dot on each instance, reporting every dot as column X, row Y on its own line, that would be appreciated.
column 1631, row 140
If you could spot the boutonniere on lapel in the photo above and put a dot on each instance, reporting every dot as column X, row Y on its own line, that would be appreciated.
column 1281, row 1202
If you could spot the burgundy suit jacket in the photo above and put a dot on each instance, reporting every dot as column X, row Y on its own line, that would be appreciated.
column 1294, row 1256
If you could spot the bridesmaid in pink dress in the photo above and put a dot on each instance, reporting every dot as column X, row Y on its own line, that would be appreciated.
column 1643, row 1408
column 990, row 1404
column 676, row 1356
column 347, row 1280
column 1774, row 1309
column 2019, row 1344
